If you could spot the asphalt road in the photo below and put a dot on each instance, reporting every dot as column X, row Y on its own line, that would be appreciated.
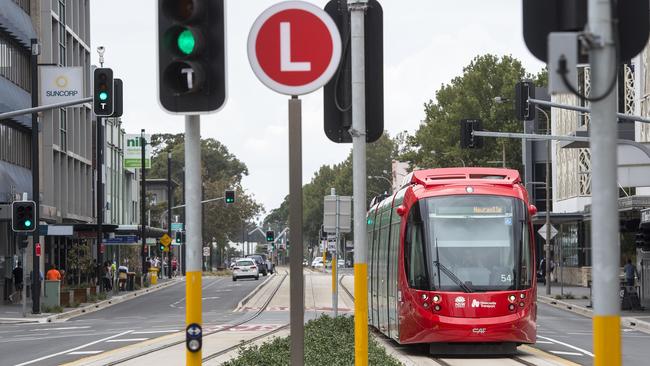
column 149, row 316
column 570, row 336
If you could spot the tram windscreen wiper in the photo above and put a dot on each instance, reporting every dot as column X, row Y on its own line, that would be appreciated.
column 446, row 271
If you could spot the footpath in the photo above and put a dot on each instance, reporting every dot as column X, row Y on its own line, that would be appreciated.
column 577, row 299
column 13, row 313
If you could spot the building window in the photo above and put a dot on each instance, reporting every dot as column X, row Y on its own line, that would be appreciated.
column 15, row 146
column 62, row 44
column 62, row 11
column 15, row 62
column 63, row 127
column 24, row 4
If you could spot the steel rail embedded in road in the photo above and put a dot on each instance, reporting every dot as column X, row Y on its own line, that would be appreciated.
column 206, row 334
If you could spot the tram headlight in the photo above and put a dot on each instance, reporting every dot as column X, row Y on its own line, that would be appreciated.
column 522, row 304
column 437, row 308
column 522, row 295
column 424, row 297
column 436, row 298
column 512, row 298
column 511, row 307
column 426, row 305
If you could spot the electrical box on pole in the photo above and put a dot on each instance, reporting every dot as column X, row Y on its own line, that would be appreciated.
column 103, row 97
column 467, row 139
column 191, row 55
column 524, row 90
column 337, row 94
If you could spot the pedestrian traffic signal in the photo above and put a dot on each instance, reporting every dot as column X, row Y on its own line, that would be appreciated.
column 524, row 90
column 178, row 237
column 230, row 196
column 270, row 236
column 191, row 55
column 643, row 238
column 467, row 139
column 103, row 91
column 23, row 216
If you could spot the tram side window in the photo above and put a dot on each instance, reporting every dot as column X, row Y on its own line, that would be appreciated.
column 416, row 271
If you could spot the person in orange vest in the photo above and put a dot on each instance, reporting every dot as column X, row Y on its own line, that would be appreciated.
column 53, row 274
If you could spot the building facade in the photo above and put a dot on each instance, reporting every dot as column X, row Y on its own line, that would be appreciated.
column 16, row 32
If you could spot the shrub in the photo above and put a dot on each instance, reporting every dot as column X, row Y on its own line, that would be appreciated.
column 53, row 309
column 326, row 338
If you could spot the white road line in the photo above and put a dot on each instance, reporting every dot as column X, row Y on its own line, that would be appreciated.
column 567, row 353
column 544, row 342
column 63, row 328
column 74, row 349
column 157, row 331
column 85, row 352
column 128, row 340
column 173, row 305
column 568, row 345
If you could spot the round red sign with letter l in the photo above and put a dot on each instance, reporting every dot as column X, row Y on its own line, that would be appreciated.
column 294, row 47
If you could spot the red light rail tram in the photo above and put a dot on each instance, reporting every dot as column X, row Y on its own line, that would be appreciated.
column 452, row 262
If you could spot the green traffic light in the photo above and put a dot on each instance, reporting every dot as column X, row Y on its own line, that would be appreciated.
column 28, row 223
column 103, row 96
column 186, row 42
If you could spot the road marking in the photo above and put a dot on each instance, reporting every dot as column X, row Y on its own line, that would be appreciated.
column 85, row 352
column 173, row 305
column 568, row 345
column 567, row 353
column 156, row 331
column 128, row 340
column 543, row 342
column 74, row 349
column 63, row 328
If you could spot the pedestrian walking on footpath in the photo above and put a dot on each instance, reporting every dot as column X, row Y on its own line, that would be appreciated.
column 17, row 274
column 53, row 274
column 630, row 272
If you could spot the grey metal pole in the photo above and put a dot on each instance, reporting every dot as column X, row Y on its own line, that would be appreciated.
column 193, row 252
column 547, row 202
column 99, row 162
column 36, row 189
column 605, row 225
column 628, row 117
column 169, row 212
column 297, row 300
column 358, row 133
column 335, row 283
column 36, row 109
column 143, row 199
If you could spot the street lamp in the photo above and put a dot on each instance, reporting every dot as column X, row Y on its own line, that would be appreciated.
column 547, row 248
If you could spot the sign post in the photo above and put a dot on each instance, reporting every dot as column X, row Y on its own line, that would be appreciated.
column 294, row 48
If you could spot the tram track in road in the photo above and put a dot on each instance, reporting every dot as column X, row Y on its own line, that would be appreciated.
column 445, row 361
column 255, row 315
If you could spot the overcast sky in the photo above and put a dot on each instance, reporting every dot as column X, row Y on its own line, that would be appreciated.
column 426, row 44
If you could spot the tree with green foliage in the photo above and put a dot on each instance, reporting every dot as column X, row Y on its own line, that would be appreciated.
column 471, row 95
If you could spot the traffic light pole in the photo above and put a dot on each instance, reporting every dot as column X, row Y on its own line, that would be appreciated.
column 143, row 200
column 194, row 229
column 169, row 212
column 99, row 190
column 358, row 133
column 296, row 283
column 605, row 224
column 36, row 264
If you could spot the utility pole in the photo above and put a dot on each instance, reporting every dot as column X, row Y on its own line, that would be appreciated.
column 193, row 209
column 143, row 199
column 358, row 133
column 169, row 212
column 36, row 189
column 605, row 225
column 99, row 161
column 335, row 256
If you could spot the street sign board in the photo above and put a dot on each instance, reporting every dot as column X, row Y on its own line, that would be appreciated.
column 206, row 251
column 61, row 84
column 177, row 226
column 165, row 239
column 345, row 214
column 542, row 231
column 294, row 47
column 133, row 152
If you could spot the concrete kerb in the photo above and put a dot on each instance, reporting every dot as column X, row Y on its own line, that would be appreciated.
column 631, row 322
column 106, row 303
column 248, row 297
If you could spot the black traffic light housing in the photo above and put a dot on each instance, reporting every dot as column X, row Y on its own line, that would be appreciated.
column 118, row 105
column 103, row 92
column 229, row 196
column 524, row 90
column 467, row 140
column 23, row 216
column 191, row 55
column 178, row 237
column 337, row 94
column 643, row 237
column 161, row 247
column 270, row 236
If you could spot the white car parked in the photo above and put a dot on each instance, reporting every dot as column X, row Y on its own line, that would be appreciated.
column 317, row 262
column 245, row 268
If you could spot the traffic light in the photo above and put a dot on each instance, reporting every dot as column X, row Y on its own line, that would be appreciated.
column 118, row 105
column 643, row 238
column 178, row 239
column 524, row 90
column 230, row 196
column 467, row 140
column 270, row 236
column 23, row 216
column 337, row 93
column 103, row 92
column 191, row 55
column 161, row 247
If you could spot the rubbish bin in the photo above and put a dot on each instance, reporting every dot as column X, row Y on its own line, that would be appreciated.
column 130, row 281
column 153, row 275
